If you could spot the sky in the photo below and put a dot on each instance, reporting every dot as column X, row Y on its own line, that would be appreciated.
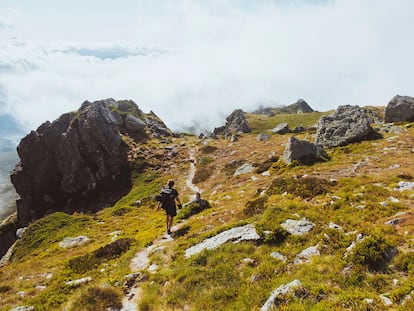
column 193, row 62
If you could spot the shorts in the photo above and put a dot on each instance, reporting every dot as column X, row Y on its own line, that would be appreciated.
column 171, row 210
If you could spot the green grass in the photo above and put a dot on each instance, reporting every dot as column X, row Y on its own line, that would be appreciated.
column 262, row 123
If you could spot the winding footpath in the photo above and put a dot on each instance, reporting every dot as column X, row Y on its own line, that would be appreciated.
column 141, row 263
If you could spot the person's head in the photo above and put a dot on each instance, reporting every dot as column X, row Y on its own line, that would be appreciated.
column 171, row 183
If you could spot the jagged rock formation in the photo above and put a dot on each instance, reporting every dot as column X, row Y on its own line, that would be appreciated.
column 299, row 107
column 400, row 108
column 79, row 161
column 303, row 151
column 348, row 124
column 236, row 122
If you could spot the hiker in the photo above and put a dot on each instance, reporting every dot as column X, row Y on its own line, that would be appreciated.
column 170, row 196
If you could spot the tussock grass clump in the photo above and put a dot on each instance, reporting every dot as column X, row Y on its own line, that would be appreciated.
column 92, row 260
column 307, row 187
column 255, row 206
column 405, row 262
column 208, row 149
column 203, row 170
column 98, row 298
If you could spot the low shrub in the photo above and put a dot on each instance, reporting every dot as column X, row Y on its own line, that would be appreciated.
column 374, row 252
column 405, row 262
column 193, row 208
column 5, row 288
column 264, row 166
column 275, row 235
column 307, row 187
column 208, row 149
column 98, row 299
column 92, row 260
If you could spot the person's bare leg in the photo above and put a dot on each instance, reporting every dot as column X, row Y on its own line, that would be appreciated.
column 170, row 223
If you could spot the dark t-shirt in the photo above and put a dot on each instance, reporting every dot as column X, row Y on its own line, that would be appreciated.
column 169, row 205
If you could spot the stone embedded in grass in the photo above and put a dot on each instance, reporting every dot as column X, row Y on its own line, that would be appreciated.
column 79, row 281
column 277, row 255
column 244, row 169
column 305, row 255
column 71, row 242
column 238, row 234
column 298, row 227
column 334, row 226
column 404, row 185
column 23, row 308
column 281, row 290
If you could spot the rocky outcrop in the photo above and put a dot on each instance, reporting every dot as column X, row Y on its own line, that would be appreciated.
column 300, row 106
column 236, row 123
column 304, row 152
column 400, row 109
column 348, row 124
column 78, row 162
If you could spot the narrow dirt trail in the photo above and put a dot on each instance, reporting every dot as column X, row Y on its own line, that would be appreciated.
column 141, row 261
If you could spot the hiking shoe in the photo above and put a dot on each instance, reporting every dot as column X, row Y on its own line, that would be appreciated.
column 169, row 231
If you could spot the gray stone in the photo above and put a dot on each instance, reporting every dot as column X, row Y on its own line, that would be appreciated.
column 282, row 128
column 400, row 109
column 334, row 226
column 404, row 185
column 80, row 281
column 20, row 232
column 303, row 151
column 348, row 124
column 238, row 234
column 263, row 137
column 281, row 290
column 23, row 308
column 72, row 242
column 279, row 256
column 244, row 169
column 306, row 254
column 298, row 227
column 134, row 124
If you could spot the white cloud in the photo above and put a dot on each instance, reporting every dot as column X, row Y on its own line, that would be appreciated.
column 207, row 60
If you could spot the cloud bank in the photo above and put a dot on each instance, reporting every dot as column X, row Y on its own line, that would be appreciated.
column 192, row 63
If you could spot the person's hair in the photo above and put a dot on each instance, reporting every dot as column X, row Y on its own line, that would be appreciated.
column 171, row 183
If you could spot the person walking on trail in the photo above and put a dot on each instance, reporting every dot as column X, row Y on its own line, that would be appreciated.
column 169, row 197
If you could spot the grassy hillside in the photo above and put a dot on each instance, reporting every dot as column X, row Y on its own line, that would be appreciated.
column 355, row 190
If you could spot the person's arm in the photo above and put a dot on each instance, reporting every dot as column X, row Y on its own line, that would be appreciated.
column 178, row 201
column 158, row 206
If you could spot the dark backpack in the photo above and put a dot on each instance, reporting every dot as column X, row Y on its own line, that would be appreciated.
column 166, row 196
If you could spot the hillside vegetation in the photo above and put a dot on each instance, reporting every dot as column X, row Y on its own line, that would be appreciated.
column 355, row 190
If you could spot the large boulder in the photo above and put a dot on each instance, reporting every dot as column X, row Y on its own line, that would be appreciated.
column 236, row 123
column 304, row 152
column 281, row 128
column 348, row 124
column 79, row 162
column 400, row 108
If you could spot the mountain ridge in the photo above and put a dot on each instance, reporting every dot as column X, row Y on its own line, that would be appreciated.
column 357, row 190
